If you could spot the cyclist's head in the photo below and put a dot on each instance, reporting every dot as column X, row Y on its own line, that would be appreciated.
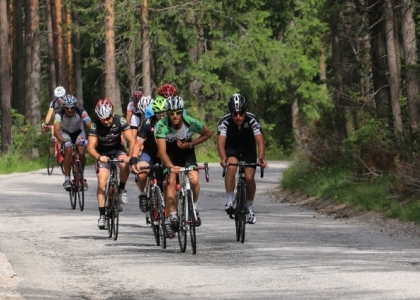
column 144, row 102
column 135, row 97
column 69, row 100
column 167, row 90
column 59, row 92
column 104, row 109
column 174, row 103
column 159, row 105
column 237, row 104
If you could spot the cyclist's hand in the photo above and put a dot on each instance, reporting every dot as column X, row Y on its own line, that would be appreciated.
column 103, row 159
column 67, row 144
column 223, row 162
column 263, row 163
column 182, row 144
column 174, row 170
column 134, row 169
column 44, row 127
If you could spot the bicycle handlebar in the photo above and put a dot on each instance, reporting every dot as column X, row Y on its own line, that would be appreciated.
column 204, row 167
column 244, row 165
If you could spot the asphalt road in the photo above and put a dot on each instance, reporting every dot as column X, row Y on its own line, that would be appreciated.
column 49, row 251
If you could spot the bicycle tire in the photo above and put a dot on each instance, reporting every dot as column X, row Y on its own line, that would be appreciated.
column 182, row 230
column 80, row 188
column 62, row 166
column 116, row 215
column 192, row 221
column 108, row 212
column 154, row 216
column 241, row 213
column 51, row 157
column 72, row 193
column 162, row 218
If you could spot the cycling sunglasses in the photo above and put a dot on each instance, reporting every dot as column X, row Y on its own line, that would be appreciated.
column 175, row 112
column 69, row 107
column 240, row 113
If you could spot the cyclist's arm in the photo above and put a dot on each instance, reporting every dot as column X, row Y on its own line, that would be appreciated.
column 129, row 137
column 49, row 115
column 221, row 142
column 57, row 132
column 204, row 136
column 137, row 147
column 259, row 140
column 91, row 147
column 161, row 145
column 128, row 116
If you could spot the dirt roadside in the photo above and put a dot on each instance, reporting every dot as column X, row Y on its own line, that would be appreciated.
column 397, row 229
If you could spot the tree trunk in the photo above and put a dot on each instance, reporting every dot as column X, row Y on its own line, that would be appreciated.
column 394, row 82
column 112, row 91
column 132, row 61
column 408, row 28
column 57, row 17
column 78, row 80
column 51, row 54
column 18, row 59
column 379, row 62
column 145, row 42
column 33, row 65
column 69, row 48
column 5, row 88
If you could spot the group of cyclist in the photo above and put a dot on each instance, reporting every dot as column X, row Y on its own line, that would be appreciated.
column 157, row 131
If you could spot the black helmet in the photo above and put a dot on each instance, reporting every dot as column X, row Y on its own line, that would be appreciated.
column 237, row 103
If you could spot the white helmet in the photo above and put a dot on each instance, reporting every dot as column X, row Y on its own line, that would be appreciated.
column 144, row 102
column 69, row 100
column 59, row 92
column 174, row 103
column 104, row 108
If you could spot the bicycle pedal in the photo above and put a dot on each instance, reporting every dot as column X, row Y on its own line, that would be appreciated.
column 147, row 221
column 231, row 216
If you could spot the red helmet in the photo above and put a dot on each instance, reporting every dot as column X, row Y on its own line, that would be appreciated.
column 104, row 108
column 167, row 90
column 136, row 96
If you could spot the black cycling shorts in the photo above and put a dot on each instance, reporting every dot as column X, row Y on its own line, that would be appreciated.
column 248, row 155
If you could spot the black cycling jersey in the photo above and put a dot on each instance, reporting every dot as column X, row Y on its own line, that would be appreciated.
column 109, row 137
column 239, row 137
column 147, row 133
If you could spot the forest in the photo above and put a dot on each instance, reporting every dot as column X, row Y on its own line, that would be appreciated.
column 335, row 82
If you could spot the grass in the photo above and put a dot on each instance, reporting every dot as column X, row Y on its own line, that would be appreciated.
column 339, row 184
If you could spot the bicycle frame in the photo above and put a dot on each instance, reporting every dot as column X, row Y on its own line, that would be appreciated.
column 112, row 205
column 186, row 206
column 240, row 207
column 77, row 190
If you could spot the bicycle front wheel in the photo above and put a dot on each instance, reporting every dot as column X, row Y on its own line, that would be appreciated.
column 240, row 216
column 51, row 157
column 154, row 216
column 161, row 217
column 116, row 209
column 73, row 192
column 79, row 187
column 192, row 221
column 183, row 227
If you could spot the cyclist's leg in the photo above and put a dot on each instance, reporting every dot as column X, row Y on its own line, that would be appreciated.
column 81, row 143
column 144, row 161
column 232, row 156
column 67, row 160
column 250, row 157
column 102, row 171
column 124, row 173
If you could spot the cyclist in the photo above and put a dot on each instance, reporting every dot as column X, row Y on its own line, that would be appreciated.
column 69, row 124
column 147, row 156
column 176, row 148
column 139, row 116
column 104, row 142
column 167, row 90
column 239, row 133
column 55, row 104
column 132, row 105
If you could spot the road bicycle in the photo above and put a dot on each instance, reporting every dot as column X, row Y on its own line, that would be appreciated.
column 240, row 209
column 155, row 204
column 78, row 185
column 54, row 150
column 186, row 208
column 112, row 202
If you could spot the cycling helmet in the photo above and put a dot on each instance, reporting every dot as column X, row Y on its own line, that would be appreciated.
column 104, row 108
column 167, row 90
column 237, row 103
column 144, row 102
column 174, row 103
column 159, row 104
column 69, row 100
column 136, row 96
column 59, row 92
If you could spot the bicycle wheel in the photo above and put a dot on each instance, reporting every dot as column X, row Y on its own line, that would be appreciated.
column 192, row 221
column 78, row 180
column 183, row 227
column 240, row 217
column 161, row 217
column 51, row 157
column 116, row 215
column 154, row 214
column 108, row 211
column 72, row 192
